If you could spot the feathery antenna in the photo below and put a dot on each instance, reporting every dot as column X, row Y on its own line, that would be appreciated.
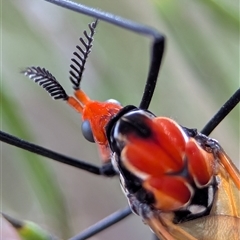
column 78, row 63
column 47, row 81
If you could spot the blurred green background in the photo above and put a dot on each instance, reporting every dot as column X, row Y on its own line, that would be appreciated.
column 200, row 71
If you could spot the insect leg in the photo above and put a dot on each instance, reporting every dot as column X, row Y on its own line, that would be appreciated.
column 222, row 113
column 105, row 170
column 103, row 224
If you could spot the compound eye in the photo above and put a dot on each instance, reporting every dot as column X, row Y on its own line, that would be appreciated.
column 113, row 101
column 87, row 131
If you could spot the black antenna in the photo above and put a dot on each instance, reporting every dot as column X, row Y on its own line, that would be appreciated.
column 47, row 81
column 157, row 49
column 78, row 65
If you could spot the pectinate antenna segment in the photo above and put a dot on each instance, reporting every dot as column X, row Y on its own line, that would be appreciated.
column 78, row 63
column 48, row 82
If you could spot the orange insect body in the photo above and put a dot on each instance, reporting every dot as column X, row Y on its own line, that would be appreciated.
column 165, row 169
column 169, row 163
column 181, row 178
column 171, row 166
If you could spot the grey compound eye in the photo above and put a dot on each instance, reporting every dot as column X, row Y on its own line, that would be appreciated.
column 87, row 131
column 113, row 101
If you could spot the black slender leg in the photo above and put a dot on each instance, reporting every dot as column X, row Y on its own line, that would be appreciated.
column 106, row 170
column 103, row 224
column 222, row 113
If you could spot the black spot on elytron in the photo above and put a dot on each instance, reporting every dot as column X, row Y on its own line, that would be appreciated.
column 201, row 199
column 135, row 122
column 111, row 124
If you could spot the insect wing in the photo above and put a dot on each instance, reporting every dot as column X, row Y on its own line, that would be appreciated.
column 166, row 230
column 224, row 219
column 230, row 168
